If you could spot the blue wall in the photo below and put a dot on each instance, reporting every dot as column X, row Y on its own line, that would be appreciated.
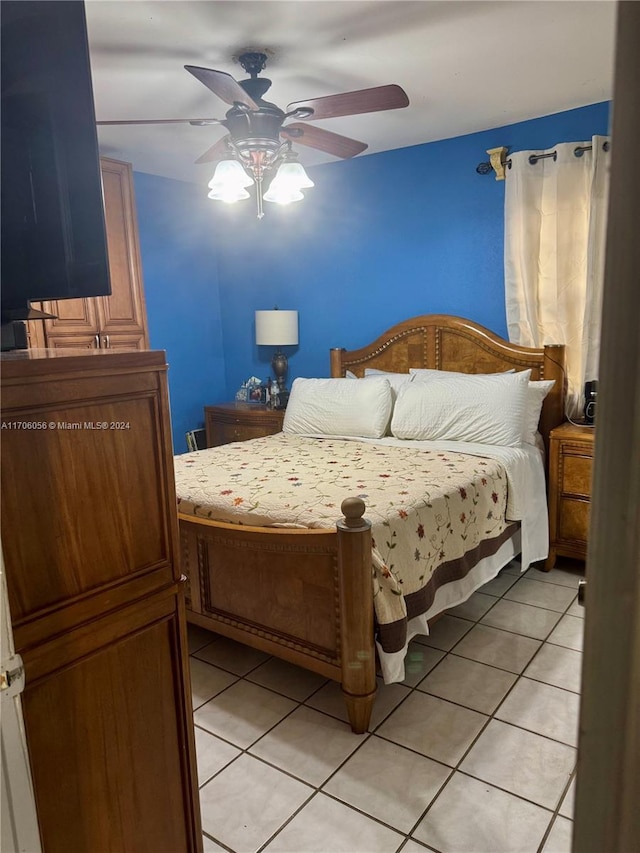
column 379, row 239
column 180, row 270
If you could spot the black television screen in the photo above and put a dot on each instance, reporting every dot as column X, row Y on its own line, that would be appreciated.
column 53, row 234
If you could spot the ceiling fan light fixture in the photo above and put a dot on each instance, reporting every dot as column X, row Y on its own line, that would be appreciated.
column 253, row 147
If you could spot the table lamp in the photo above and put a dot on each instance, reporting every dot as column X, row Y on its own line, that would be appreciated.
column 277, row 329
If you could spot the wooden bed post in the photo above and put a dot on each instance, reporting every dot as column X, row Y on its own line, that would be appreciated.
column 356, row 614
column 335, row 358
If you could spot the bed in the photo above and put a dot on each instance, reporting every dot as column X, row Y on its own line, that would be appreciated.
column 314, row 588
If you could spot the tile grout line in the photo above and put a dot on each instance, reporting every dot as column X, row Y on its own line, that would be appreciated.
column 556, row 812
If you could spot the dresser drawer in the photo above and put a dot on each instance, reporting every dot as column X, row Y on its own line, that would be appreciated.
column 574, row 520
column 224, row 433
column 576, row 473
column 233, row 422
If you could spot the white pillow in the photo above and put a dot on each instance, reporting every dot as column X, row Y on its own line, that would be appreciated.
column 536, row 392
column 338, row 407
column 372, row 371
column 429, row 373
column 396, row 380
column 483, row 409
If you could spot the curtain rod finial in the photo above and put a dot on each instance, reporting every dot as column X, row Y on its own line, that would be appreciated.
column 498, row 160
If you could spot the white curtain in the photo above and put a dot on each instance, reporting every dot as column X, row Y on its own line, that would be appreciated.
column 555, row 228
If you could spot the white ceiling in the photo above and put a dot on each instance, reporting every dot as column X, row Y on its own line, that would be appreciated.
column 465, row 65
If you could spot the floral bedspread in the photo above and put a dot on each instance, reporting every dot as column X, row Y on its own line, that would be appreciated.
column 431, row 512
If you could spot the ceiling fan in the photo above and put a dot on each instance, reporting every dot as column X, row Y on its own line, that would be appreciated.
column 258, row 140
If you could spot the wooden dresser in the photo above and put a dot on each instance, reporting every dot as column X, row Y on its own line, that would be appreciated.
column 570, row 471
column 229, row 422
column 90, row 539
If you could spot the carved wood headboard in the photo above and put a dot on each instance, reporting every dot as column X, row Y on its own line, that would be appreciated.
column 444, row 342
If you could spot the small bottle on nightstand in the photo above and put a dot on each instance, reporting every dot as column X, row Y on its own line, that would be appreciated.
column 273, row 393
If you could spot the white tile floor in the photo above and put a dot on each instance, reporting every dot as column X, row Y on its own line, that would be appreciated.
column 473, row 753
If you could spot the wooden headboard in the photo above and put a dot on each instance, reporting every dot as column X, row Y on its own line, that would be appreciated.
column 443, row 342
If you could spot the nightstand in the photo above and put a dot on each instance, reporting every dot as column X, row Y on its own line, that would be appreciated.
column 570, row 468
column 240, row 421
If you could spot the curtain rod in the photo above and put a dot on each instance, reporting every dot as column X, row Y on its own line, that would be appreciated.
column 498, row 161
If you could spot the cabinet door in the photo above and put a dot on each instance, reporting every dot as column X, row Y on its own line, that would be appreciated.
column 35, row 334
column 124, row 311
column 72, row 341
column 77, row 317
column 110, row 734
column 88, row 504
column 118, row 321
column 118, row 340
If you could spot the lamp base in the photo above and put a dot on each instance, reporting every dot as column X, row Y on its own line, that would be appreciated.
column 279, row 365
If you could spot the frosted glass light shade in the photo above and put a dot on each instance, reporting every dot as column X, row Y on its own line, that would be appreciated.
column 293, row 174
column 276, row 328
column 228, row 174
column 279, row 196
column 228, row 195
column 286, row 185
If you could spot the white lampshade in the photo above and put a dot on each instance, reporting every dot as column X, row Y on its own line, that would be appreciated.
column 228, row 194
column 294, row 175
column 287, row 183
column 276, row 328
column 229, row 174
column 282, row 196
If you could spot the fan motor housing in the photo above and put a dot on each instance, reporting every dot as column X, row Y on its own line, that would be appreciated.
column 264, row 123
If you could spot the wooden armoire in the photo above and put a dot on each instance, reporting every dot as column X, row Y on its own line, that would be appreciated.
column 118, row 321
column 90, row 541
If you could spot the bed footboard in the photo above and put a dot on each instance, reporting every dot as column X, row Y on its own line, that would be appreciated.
column 302, row 595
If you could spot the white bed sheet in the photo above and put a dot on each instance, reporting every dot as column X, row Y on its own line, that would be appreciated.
column 394, row 664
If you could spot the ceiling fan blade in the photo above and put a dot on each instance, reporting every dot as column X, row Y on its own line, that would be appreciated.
column 216, row 152
column 167, row 121
column 223, row 85
column 352, row 103
column 324, row 140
